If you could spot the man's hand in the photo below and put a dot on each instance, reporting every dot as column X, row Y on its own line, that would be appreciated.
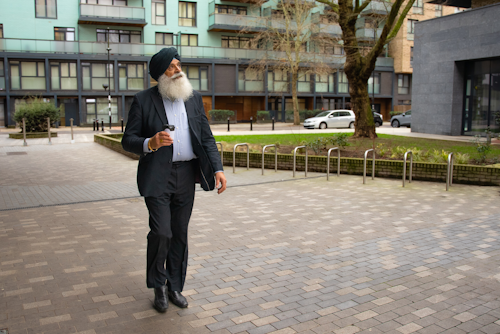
column 220, row 178
column 160, row 139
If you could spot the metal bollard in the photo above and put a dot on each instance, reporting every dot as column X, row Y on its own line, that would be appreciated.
column 228, row 124
column 97, row 124
column 93, row 125
column 102, row 124
column 122, row 124
column 48, row 130
column 110, row 122
column 251, row 123
column 273, row 123
column 72, row 137
column 24, row 133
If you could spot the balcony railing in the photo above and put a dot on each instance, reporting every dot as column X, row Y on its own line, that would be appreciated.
column 130, row 49
column 377, row 8
column 225, row 22
column 368, row 33
column 121, row 14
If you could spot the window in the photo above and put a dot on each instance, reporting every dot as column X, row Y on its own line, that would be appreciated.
column 2, row 76
column 223, row 9
column 162, row 38
column 158, row 12
column 99, row 108
column 198, row 76
column 439, row 10
column 46, row 9
column 119, row 36
column 303, row 82
column 418, row 7
column 187, row 14
column 250, row 80
column 410, row 29
column 94, row 75
column 325, row 83
column 343, row 83
column 131, row 76
column 189, row 40
column 64, row 34
column 1, row 30
column 374, row 84
column 277, row 80
column 403, row 84
column 106, row 2
column 27, row 75
column 411, row 56
column 63, row 76
column 329, row 47
column 404, row 102
column 235, row 42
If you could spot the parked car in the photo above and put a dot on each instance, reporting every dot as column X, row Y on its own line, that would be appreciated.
column 331, row 119
column 403, row 119
column 377, row 118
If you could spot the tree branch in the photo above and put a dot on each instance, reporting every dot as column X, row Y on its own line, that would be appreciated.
column 333, row 5
column 401, row 19
column 359, row 9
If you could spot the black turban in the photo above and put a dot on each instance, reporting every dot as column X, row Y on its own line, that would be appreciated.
column 161, row 61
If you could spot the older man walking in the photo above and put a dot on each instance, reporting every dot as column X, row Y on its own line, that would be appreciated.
column 170, row 164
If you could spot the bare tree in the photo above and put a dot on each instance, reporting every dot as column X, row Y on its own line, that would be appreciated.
column 289, row 28
column 360, row 59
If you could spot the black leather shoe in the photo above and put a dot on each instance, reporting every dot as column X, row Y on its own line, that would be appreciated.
column 177, row 299
column 161, row 302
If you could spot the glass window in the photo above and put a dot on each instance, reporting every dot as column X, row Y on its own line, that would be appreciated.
column 27, row 75
column 99, row 108
column 439, row 10
column 325, row 83
column 411, row 26
column 224, row 9
column 1, row 30
column 46, row 9
column 94, row 75
column 187, row 14
column 418, row 7
column 198, row 76
column 63, row 76
column 158, row 12
column 162, row 38
column 189, row 40
column 2, row 76
column 64, row 34
column 278, row 80
column 343, row 83
column 403, row 84
column 250, row 80
column 131, row 76
column 411, row 56
column 374, row 84
column 118, row 36
column 304, row 82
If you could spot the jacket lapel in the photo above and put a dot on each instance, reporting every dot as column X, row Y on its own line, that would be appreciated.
column 189, row 108
column 160, row 108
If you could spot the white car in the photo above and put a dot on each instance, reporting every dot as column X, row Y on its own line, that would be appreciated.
column 331, row 119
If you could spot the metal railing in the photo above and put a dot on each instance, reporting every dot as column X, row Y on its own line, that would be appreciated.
column 449, row 171
column 275, row 157
column 328, row 162
column 221, row 152
column 404, row 167
column 234, row 156
column 295, row 159
column 373, row 165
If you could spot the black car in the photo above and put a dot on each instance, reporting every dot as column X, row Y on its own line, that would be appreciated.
column 377, row 119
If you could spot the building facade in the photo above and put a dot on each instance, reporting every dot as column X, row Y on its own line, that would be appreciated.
column 457, row 73
column 58, row 50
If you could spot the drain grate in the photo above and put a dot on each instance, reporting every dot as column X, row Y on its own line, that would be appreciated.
column 15, row 153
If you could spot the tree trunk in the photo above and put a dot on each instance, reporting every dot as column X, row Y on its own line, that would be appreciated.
column 364, row 126
column 295, row 101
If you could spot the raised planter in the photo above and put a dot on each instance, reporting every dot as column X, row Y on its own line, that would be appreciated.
column 32, row 135
column 425, row 171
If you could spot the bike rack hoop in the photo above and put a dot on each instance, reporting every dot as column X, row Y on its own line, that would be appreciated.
column 404, row 166
column 449, row 171
column 295, row 159
column 328, row 162
column 234, row 156
column 373, row 165
column 275, row 157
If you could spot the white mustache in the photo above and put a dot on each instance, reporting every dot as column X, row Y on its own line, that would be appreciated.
column 176, row 75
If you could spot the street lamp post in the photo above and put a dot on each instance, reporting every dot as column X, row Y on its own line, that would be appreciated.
column 109, row 82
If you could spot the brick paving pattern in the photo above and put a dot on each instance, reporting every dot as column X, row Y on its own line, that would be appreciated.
column 301, row 256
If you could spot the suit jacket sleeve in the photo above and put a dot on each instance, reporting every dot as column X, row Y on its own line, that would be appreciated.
column 208, row 140
column 133, row 139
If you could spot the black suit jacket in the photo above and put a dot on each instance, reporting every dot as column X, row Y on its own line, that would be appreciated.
column 146, row 118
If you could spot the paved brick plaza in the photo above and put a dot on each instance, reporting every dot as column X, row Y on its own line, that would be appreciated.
column 299, row 256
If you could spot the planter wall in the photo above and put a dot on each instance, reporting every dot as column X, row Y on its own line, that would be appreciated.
column 465, row 174
column 32, row 135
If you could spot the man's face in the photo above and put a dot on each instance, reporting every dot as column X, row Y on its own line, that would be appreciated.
column 174, row 68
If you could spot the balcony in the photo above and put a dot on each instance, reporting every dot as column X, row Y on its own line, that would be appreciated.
column 112, row 15
column 323, row 27
column 368, row 34
column 253, row 2
column 233, row 22
column 377, row 8
column 147, row 50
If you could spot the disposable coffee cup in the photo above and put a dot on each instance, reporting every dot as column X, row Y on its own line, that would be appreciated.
column 170, row 129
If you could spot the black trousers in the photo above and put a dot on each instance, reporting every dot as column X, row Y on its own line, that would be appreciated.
column 169, row 214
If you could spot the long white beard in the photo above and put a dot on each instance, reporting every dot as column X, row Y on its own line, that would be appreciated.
column 173, row 88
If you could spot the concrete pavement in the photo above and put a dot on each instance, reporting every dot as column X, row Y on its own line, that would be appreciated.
column 272, row 254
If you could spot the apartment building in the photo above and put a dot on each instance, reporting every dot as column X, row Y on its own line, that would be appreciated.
column 401, row 49
column 58, row 50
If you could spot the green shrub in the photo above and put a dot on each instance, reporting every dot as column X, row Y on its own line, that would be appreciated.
column 220, row 114
column 35, row 113
column 482, row 149
column 392, row 113
column 339, row 139
column 263, row 115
